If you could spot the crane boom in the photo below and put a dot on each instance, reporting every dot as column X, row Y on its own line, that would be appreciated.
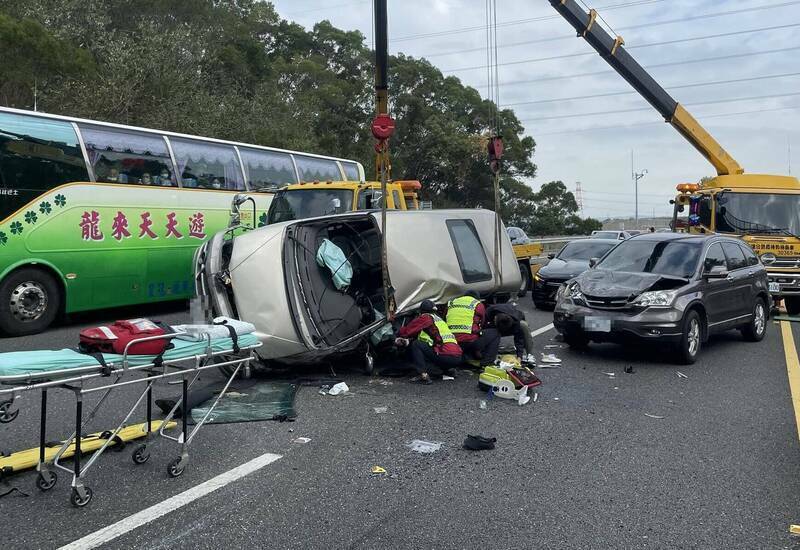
column 612, row 50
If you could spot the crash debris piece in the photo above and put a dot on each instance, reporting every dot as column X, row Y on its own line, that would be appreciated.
column 301, row 440
column 654, row 416
column 424, row 447
column 794, row 529
column 336, row 389
column 378, row 470
column 552, row 346
column 550, row 358
column 681, row 375
column 535, row 397
column 445, row 377
column 629, row 369
column 380, row 410
column 611, row 374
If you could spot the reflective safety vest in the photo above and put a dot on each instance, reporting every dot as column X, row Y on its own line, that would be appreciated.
column 445, row 334
column 461, row 314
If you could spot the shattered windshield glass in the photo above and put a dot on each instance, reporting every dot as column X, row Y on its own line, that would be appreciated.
column 298, row 204
column 758, row 213
column 672, row 258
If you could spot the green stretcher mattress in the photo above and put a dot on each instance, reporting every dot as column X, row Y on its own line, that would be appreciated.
column 37, row 364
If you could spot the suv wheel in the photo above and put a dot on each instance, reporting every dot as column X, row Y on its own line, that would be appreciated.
column 691, row 339
column 755, row 330
column 576, row 341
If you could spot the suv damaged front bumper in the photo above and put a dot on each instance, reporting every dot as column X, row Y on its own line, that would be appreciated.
column 600, row 325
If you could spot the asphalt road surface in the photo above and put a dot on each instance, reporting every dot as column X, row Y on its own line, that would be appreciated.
column 602, row 459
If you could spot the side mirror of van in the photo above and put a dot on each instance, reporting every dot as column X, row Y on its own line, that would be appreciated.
column 593, row 262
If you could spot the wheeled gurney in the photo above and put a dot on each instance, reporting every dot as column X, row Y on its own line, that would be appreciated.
column 26, row 371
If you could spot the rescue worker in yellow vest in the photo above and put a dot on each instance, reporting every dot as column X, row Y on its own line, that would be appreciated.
column 430, row 342
column 465, row 317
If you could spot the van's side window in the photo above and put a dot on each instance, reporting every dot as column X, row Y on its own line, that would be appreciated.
column 469, row 250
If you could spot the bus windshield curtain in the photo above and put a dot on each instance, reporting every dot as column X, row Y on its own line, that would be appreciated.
column 195, row 162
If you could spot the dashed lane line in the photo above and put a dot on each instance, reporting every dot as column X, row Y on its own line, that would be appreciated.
column 147, row 515
column 793, row 369
column 542, row 330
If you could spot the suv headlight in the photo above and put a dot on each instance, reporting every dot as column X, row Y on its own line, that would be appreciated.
column 656, row 298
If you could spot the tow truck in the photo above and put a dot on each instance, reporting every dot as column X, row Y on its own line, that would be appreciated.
column 762, row 209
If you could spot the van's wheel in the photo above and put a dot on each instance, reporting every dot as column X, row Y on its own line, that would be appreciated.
column 691, row 339
column 30, row 299
column 755, row 330
column 792, row 305
column 525, row 273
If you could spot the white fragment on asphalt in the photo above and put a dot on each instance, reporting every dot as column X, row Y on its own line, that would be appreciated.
column 654, row 416
column 616, row 387
column 445, row 377
column 612, row 374
column 338, row 389
column 301, row 440
column 552, row 346
column 555, row 399
column 535, row 397
column 680, row 374
column 425, row 447
column 380, row 410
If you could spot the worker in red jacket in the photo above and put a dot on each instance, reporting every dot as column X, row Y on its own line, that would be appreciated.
column 430, row 343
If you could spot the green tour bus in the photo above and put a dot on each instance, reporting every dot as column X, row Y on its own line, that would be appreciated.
column 96, row 215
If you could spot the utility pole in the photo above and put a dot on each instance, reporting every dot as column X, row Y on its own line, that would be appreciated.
column 579, row 196
column 636, row 176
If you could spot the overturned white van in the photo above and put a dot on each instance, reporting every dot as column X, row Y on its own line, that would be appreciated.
column 271, row 277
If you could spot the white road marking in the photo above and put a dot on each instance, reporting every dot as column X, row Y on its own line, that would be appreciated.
column 542, row 330
column 147, row 515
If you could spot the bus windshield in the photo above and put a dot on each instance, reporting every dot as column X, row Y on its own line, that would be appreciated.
column 758, row 213
column 298, row 204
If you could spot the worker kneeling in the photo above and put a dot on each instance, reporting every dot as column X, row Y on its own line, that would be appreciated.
column 430, row 343
column 465, row 317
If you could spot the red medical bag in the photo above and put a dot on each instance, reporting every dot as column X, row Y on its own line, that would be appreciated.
column 113, row 338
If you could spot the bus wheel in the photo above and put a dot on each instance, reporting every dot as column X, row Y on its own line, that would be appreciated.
column 30, row 299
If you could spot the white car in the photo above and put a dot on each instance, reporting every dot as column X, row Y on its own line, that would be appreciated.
column 607, row 234
column 271, row 278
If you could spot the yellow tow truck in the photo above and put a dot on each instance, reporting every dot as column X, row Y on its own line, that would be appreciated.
column 762, row 209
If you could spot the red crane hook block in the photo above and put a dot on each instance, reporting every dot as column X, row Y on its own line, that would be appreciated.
column 383, row 127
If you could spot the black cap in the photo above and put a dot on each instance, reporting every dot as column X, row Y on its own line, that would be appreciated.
column 427, row 306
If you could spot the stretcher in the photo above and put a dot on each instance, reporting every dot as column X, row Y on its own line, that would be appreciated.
column 23, row 372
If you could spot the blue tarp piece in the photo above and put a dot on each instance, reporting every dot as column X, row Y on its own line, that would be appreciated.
column 331, row 256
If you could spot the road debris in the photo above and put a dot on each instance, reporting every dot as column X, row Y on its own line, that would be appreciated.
column 629, row 369
column 479, row 443
column 794, row 529
column 552, row 346
column 377, row 470
column 680, row 374
column 381, row 381
column 301, row 440
column 654, row 416
column 380, row 410
column 611, row 374
column 550, row 358
column 337, row 389
column 535, row 397
column 424, row 447
column 445, row 377
column 483, row 404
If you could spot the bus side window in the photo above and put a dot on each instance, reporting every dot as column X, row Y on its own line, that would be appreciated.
column 36, row 154
column 207, row 165
column 267, row 169
column 123, row 156
column 317, row 169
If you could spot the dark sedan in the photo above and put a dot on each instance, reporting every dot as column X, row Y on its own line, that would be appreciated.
column 667, row 287
column 571, row 261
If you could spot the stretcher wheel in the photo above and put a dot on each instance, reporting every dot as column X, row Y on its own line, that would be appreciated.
column 175, row 469
column 140, row 455
column 5, row 415
column 46, row 481
column 76, row 500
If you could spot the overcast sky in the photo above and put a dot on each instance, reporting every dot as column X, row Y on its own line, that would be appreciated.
column 595, row 149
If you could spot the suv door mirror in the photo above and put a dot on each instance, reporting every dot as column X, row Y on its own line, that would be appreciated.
column 716, row 272
column 593, row 262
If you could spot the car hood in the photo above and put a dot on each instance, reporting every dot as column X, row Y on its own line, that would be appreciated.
column 560, row 269
column 605, row 283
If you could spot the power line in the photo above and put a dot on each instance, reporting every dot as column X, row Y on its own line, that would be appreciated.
column 628, row 27
column 663, row 43
column 654, row 66
column 628, row 92
column 517, row 21
column 626, row 126
column 617, row 111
